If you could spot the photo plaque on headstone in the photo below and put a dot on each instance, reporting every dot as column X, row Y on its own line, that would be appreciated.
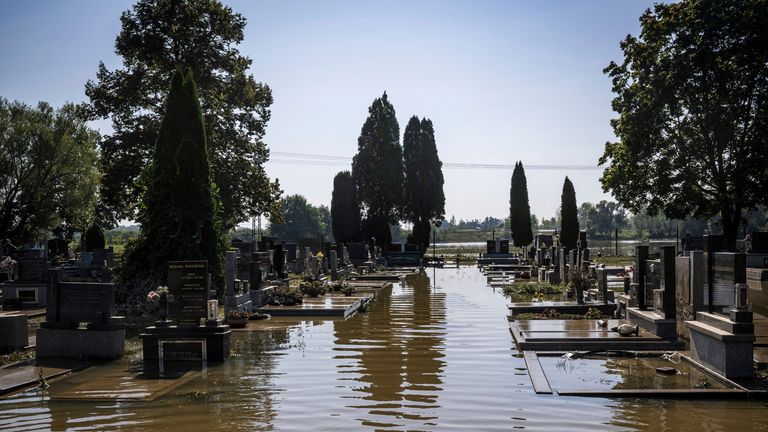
column 188, row 283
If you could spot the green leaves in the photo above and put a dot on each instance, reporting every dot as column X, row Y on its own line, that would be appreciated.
column 424, row 197
column 180, row 216
column 49, row 177
column 345, row 210
column 377, row 170
column 569, row 216
column 300, row 219
column 519, row 208
column 200, row 35
column 692, row 103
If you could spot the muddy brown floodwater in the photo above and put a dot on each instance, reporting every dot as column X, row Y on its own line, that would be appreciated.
column 430, row 356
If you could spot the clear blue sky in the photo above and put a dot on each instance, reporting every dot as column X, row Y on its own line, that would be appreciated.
column 501, row 80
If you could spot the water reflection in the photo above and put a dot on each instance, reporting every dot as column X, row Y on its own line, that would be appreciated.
column 394, row 356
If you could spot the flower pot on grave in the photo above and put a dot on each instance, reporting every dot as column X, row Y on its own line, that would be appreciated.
column 237, row 322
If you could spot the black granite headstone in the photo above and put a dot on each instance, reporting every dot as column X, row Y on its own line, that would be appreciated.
column 759, row 242
column 32, row 269
column 188, row 283
column 504, row 246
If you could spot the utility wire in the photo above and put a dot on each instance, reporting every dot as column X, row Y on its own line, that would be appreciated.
column 291, row 158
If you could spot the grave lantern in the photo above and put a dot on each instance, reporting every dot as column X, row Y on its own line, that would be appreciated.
column 213, row 310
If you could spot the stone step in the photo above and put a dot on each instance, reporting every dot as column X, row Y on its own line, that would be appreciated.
column 718, row 333
column 724, row 323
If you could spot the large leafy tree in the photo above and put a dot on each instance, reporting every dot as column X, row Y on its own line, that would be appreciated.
column 377, row 171
column 345, row 211
column 201, row 35
column 692, row 104
column 300, row 219
column 180, row 215
column 48, row 170
column 424, row 202
column 569, row 216
column 519, row 208
column 606, row 216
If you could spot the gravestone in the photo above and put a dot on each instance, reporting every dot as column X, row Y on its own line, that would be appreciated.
column 490, row 246
column 14, row 333
column 58, row 247
column 543, row 241
column 713, row 242
column 32, row 269
column 230, row 272
column 759, row 243
column 333, row 263
column 668, row 282
column 291, row 252
column 188, row 283
column 641, row 256
column 72, row 303
column 693, row 243
column 279, row 261
column 562, row 252
column 582, row 244
column 504, row 246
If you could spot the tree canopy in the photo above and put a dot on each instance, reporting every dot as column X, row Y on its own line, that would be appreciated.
column 180, row 215
column 345, row 211
column 569, row 216
column 692, row 105
column 301, row 219
column 377, row 171
column 519, row 208
column 201, row 35
column 49, row 177
column 424, row 201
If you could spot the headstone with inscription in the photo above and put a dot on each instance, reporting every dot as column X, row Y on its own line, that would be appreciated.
column 188, row 283
column 69, row 305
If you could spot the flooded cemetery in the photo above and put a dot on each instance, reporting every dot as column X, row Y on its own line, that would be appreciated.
column 403, row 348
column 163, row 268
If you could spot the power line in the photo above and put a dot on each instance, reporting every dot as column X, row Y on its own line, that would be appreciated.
column 291, row 158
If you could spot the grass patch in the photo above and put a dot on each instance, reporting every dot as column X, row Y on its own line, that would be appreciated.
column 552, row 314
column 534, row 288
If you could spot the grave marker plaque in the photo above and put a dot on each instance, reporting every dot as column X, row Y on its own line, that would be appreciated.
column 188, row 283
column 85, row 302
column 32, row 269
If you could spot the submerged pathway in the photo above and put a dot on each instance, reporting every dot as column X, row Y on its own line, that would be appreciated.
column 436, row 354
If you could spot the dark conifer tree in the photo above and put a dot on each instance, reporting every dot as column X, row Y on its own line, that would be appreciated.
column 180, row 216
column 424, row 196
column 377, row 171
column 345, row 210
column 519, row 208
column 569, row 216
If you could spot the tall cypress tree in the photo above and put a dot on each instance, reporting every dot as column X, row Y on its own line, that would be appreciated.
column 569, row 216
column 424, row 195
column 377, row 171
column 180, row 216
column 345, row 211
column 519, row 208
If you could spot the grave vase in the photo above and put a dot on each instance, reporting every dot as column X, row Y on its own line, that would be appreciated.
column 163, row 306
